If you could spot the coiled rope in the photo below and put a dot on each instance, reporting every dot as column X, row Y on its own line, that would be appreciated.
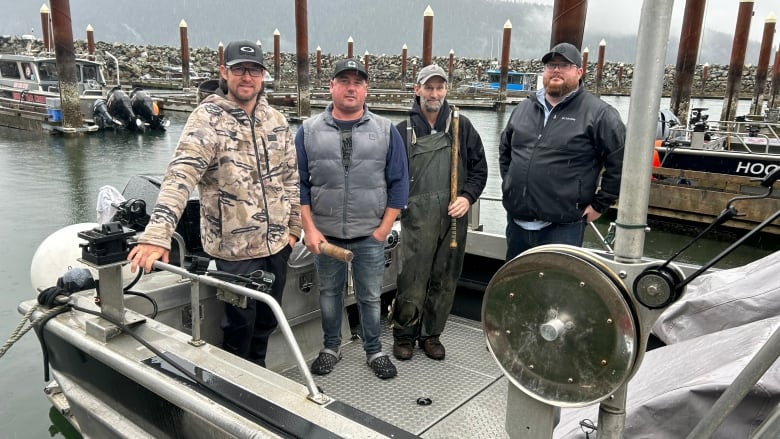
column 21, row 329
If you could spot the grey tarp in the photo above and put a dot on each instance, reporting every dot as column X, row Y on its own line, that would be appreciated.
column 713, row 332
column 723, row 299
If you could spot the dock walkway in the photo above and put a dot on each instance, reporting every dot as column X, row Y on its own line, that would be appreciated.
column 287, row 101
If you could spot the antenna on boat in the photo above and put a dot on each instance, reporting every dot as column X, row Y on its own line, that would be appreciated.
column 116, row 61
column 28, row 39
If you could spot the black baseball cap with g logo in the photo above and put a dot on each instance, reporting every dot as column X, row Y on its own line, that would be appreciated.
column 243, row 51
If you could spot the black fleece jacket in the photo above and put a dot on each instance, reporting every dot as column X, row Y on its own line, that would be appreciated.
column 553, row 171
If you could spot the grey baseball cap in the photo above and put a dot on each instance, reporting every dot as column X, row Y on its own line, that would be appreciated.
column 429, row 72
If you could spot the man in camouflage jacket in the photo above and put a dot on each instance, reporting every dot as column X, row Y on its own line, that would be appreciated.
column 239, row 153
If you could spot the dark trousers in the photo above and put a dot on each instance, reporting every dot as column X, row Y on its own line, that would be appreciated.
column 519, row 239
column 246, row 330
column 429, row 268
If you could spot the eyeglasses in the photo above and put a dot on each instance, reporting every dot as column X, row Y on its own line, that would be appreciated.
column 563, row 66
column 254, row 72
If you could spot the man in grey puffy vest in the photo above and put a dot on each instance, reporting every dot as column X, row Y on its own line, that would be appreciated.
column 354, row 182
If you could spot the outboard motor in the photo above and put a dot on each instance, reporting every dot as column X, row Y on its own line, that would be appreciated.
column 666, row 121
column 102, row 118
column 146, row 109
column 119, row 107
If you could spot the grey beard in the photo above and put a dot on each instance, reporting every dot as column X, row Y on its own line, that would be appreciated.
column 431, row 108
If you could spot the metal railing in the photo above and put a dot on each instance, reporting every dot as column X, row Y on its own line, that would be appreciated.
column 314, row 394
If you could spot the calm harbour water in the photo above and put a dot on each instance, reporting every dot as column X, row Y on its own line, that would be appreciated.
column 49, row 182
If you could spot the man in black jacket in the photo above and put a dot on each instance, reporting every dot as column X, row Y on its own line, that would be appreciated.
column 429, row 266
column 560, row 158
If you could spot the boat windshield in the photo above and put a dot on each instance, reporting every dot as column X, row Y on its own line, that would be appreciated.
column 47, row 70
column 89, row 72
column 9, row 69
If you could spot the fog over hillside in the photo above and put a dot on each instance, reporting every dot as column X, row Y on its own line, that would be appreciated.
column 471, row 28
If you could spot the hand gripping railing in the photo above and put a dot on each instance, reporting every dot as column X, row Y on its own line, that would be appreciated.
column 314, row 394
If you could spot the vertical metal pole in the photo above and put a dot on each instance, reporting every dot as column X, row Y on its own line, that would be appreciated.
column 646, row 91
column 319, row 62
column 737, row 63
column 451, row 67
column 427, row 43
column 91, row 42
column 366, row 63
column 762, row 68
column 112, row 298
column 185, row 55
column 585, row 53
column 568, row 23
column 529, row 418
column 277, row 60
column 67, row 71
column 505, row 46
column 195, row 304
column 687, row 54
column 600, row 66
column 403, row 66
column 775, row 81
column 45, row 21
column 302, row 57
column 612, row 413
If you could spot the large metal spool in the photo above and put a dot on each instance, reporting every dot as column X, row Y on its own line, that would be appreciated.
column 561, row 325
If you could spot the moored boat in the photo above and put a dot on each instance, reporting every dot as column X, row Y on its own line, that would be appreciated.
column 30, row 95
column 518, row 83
column 699, row 169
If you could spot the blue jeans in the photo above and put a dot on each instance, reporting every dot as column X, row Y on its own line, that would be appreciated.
column 368, row 267
column 519, row 239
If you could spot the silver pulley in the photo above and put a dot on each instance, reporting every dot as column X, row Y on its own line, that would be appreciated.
column 560, row 324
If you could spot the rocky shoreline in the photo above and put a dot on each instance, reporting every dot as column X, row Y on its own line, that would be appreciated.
column 146, row 61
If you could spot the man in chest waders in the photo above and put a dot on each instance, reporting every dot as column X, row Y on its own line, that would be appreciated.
column 431, row 251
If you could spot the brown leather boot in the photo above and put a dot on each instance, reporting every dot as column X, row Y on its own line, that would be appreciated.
column 433, row 347
column 403, row 349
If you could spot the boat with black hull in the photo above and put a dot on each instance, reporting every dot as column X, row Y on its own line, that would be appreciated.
column 697, row 170
column 741, row 147
column 561, row 329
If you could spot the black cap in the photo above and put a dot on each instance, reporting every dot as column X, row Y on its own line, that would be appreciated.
column 565, row 50
column 243, row 51
column 350, row 65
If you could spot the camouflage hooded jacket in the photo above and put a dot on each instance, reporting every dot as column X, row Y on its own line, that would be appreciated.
column 246, row 173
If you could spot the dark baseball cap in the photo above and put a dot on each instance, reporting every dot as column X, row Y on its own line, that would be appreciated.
column 350, row 65
column 565, row 50
column 243, row 51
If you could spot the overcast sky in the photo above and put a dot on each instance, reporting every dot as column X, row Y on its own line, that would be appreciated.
column 720, row 15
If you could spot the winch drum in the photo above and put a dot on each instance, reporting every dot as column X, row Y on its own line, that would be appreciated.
column 561, row 326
